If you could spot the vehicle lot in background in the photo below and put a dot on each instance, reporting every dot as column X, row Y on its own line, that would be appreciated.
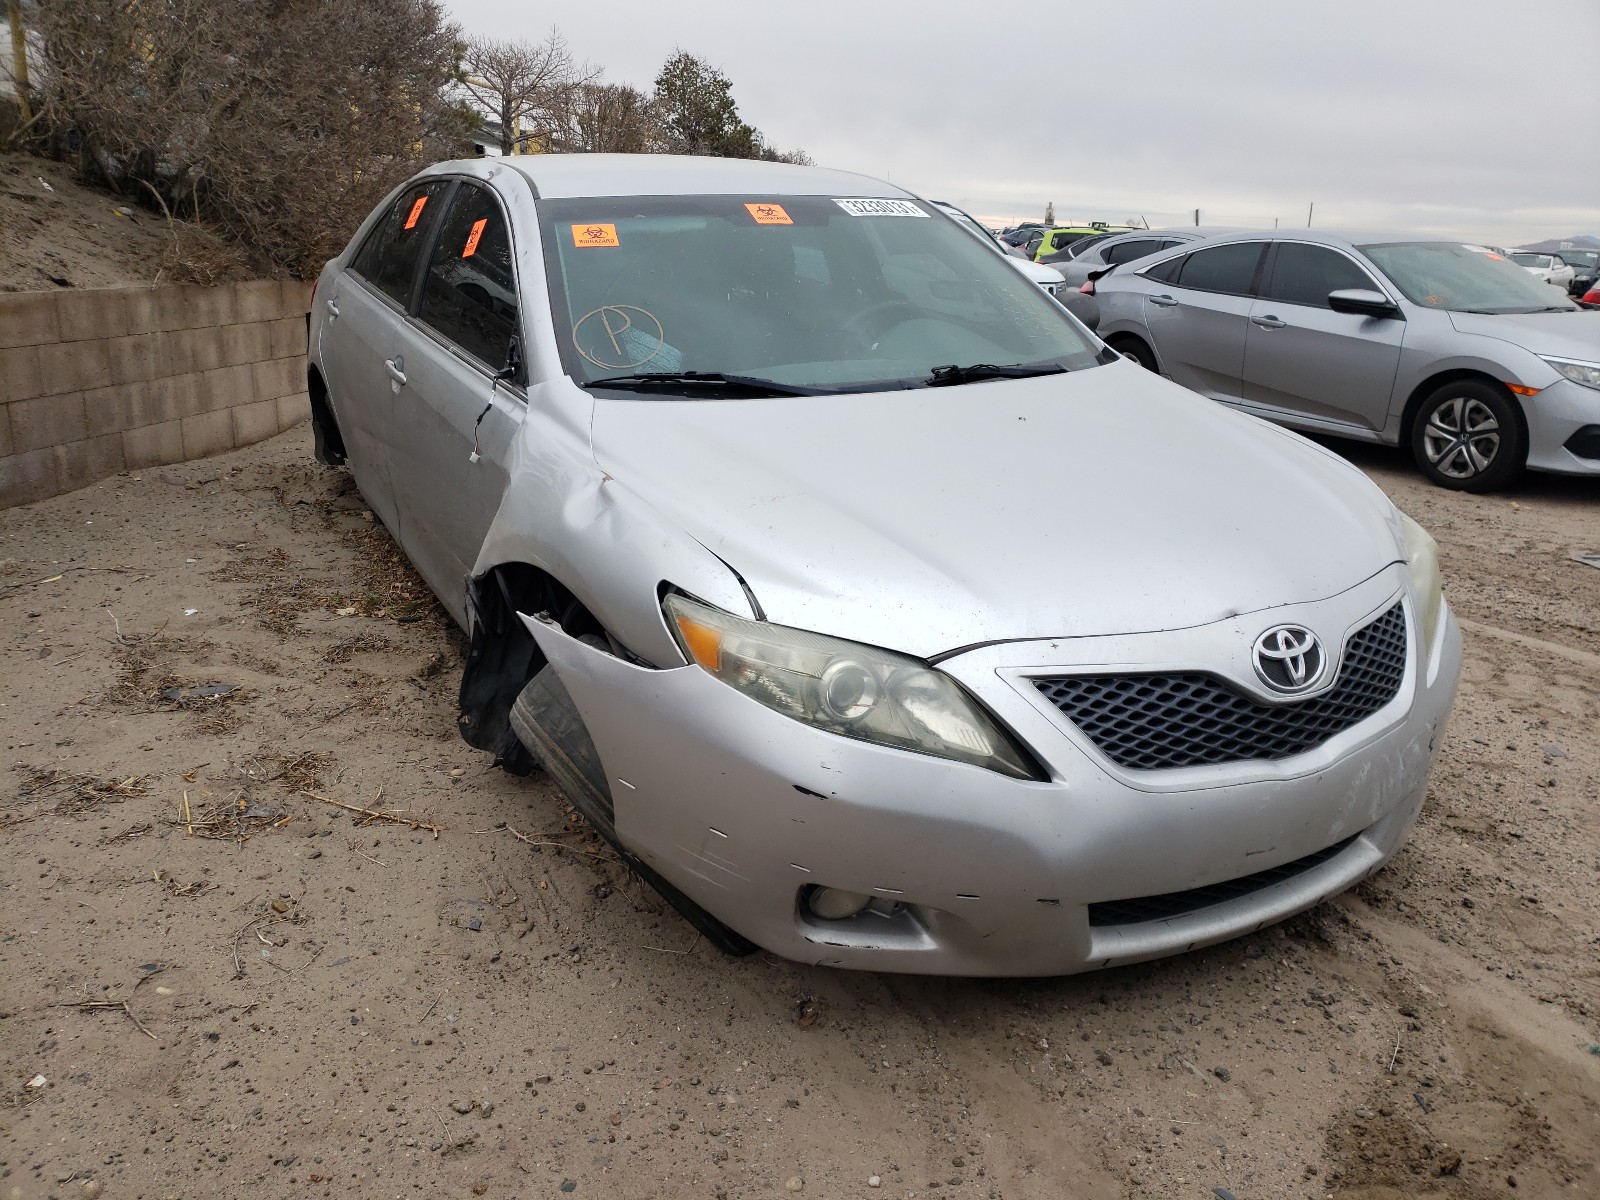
column 1120, row 248
column 1547, row 268
column 1439, row 346
column 486, row 971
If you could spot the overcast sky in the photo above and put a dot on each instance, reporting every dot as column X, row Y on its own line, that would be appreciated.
column 1471, row 118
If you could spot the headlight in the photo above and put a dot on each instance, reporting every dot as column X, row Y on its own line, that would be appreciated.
column 1422, row 554
column 1585, row 373
column 845, row 688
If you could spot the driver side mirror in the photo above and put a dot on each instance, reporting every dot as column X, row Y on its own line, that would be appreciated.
column 1363, row 302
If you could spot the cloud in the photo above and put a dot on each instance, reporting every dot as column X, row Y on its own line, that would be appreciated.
column 1442, row 116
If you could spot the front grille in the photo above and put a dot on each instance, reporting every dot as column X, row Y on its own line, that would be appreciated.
column 1150, row 722
column 1177, row 904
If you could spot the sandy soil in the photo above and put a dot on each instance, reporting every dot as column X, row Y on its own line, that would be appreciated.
column 55, row 233
column 232, row 987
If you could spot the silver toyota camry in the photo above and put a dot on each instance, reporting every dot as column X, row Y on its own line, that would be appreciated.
column 877, row 612
column 1447, row 348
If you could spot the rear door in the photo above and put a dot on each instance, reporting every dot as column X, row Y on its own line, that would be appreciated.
column 364, row 332
column 1198, row 321
column 1302, row 359
column 462, row 401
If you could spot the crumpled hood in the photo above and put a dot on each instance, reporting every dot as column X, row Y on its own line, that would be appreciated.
column 1563, row 334
column 1104, row 501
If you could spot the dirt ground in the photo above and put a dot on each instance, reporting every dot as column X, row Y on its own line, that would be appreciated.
column 55, row 233
column 230, row 985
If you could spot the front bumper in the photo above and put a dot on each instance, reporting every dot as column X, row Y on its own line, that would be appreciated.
column 742, row 808
column 1555, row 415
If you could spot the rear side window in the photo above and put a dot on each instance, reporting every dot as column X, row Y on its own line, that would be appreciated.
column 1303, row 274
column 388, row 258
column 1165, row 272
column 1228, row 268
column 470, row 293
column 1128, row 251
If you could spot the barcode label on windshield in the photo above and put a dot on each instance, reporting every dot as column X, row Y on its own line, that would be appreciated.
column 880, row 208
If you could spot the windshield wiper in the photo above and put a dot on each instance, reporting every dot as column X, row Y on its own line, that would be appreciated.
column 671, row 381
column 945, row 376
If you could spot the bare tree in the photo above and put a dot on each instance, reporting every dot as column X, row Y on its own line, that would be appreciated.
column 282, row 123
column 609, row 118
column 527, row 87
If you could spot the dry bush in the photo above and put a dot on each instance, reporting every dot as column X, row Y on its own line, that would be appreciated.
column 281, row 121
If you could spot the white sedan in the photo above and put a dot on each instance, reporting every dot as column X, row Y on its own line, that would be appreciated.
column 1550, row 268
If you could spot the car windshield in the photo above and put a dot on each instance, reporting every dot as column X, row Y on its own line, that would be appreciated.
column 1581, row 258
column 803, row 292
column 1463, row 278
column 1524, row 259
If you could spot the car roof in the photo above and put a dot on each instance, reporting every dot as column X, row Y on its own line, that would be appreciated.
column 572, row 175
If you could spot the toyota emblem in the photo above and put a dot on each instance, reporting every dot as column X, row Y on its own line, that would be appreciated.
column 1289, row 659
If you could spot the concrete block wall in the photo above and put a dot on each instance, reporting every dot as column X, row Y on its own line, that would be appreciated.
column 119, row 379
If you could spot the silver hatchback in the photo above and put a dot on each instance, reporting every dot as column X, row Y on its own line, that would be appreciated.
column 1445, row 347
column 877, row 612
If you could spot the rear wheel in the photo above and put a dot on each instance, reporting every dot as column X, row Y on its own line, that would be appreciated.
column 1136, row 349
column 1468, row 436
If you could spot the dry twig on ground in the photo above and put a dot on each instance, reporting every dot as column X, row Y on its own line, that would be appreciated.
column 378, row 814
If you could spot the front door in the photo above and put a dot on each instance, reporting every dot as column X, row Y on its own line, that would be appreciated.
column 1302, row 359
column 460, row 408
column 363, row 333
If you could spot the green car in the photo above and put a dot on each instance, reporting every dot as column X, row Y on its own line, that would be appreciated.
column 1053, row 241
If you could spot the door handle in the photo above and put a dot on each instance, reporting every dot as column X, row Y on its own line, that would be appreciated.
column 333, row 306
column 396, row 367
column 1268, row 322
column 1163, row 301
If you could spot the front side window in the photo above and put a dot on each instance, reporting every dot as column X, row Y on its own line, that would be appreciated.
column 1524, row 259
column 804, row 291
column 470, row 292
column 388, row 258
column 1459, row 277
column 1305, row 274
column 1229, row 268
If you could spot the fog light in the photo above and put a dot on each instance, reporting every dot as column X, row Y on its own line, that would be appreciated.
column 835, row 904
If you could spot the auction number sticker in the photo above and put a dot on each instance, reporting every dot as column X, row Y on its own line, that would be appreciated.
column 594, row 235
column 416, row 212
column 473, row 237
column 869, row 207
column 769, row 214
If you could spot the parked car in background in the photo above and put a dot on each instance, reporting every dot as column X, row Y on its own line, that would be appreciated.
column 1547, row 268
column 1074, row 248
column 1042, row 242
column 1048, row 279
column 759, row 491
column 1585, row 266
column 1440, row 346
column 1125, row 247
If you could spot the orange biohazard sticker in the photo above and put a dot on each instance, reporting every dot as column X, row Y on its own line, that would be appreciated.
column 594, row 235
column 416, row 212
column 471, row 247
column 769, row 214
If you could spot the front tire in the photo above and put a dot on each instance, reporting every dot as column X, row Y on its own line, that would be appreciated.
column 1136, row 349
column 1468, row 436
